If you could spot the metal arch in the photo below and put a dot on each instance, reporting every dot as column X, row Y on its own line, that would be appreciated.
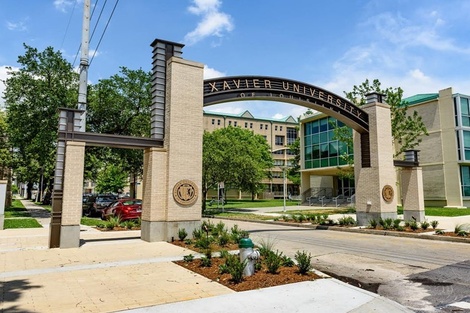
column 241, row 88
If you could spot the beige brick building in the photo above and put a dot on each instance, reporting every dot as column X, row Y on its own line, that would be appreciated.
column 278, row 133
column 444, row 155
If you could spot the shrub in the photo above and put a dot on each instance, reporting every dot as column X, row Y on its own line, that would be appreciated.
column 224, row 254
column 198, row 233
column 266, row 246
column 373, row 223
column 295, row 217
column 386, row 223
column 188, row 241
column 223, row 239
column 439, row 232
column 220, row 227
column 129, row 224
column 286, row 261
column 182, row 234
column 462, row 233
column 424, row 225
column 285, row 218
column 413, row 225
column 303, row 261
column 206, row 262
column 188, row 258
column 203, row 243
column 273, row 261
column 301, row 218
column 396, row 223
column 346, row 221
column 235, row 268
column 434, row 224
column 113, row 221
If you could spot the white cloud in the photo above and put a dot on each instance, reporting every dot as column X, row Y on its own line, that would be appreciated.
column 212, row 73
column 19, row 26
column 63, row 5
column 213, row 22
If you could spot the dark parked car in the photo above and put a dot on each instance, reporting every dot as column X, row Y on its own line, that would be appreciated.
column 126, row 209
column 94, row 205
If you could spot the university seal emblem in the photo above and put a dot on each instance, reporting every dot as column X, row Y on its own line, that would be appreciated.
column 387, row 193
column 185, row 192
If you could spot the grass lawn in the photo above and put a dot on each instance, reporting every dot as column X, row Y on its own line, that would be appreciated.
column 16, row 210
column 439, row 211
column 244, row 204
column 21, row 223
column 91, row 221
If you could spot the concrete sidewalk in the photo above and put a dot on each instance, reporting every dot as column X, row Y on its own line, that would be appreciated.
column 116, row 271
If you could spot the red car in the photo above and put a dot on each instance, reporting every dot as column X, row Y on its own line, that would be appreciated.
column 126, row 209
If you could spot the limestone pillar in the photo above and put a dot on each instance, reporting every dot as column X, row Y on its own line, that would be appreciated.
column 412, row 193
column 375, row 180
column 172, row 196
column 72, row 191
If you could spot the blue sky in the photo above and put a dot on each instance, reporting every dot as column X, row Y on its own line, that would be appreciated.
column 420, row 45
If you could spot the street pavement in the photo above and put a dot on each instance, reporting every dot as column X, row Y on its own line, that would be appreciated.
column 118, row 272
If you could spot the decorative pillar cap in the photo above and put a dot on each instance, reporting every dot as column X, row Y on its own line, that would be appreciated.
column 373, row 97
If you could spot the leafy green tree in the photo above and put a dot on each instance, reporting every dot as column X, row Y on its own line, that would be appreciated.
column 236, row 157
column 407, row 129
column 293, row 172
column 111, row 179
column 44, row 82
column 119, row 105
column 5, row 157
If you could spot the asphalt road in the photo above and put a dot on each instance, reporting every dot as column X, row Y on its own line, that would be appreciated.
column 423, row 275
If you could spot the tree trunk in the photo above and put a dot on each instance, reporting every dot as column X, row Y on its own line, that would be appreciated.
column 29, row 191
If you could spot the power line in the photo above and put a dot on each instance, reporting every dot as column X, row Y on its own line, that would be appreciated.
column 104, row 31
column 68, row 24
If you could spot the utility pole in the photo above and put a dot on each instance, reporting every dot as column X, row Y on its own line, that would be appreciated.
column 82, row 88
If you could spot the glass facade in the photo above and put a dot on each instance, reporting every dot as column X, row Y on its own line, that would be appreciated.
column 462, row 118
column 321, row 149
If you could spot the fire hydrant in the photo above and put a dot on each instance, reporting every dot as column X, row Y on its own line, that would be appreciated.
column 247, row 253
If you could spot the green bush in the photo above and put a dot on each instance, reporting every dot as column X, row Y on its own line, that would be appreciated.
column 113, row 221
column 439, row 232
column 434, row 224
column 235, row 268
column 396, row 223
column 286, row 261
column 266, row 246
column 129, row 224
column 373, row 223
column 346, row 221
column 198, row 233
column 188, row 258
column 206, row 262
column 182, row 234
column 413, row 225
column 273, row 261
column 223, row 239
column 424, row 225
column 303, row 261
column 203, row 243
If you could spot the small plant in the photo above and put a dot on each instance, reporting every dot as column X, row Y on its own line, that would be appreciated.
column 287, row 262
column 346, row 221
column 113, row 221
column 276, row 219
column 220, row 227
column 407, row 223
column 303, row 261
column 373, row 223
column 223, row 269
column 285, row 218
column 424, row 225
column 439, row 232
column 188, row 258
column 182, row 234
column 235, row 268
column 434, row 224
column 188, row 242
column 386, row 223
column 396, row 223
column 462, row 233
column 224, row 254
column 301, row 218
column 129, row 224
column 223, row 239
column 295, row 217
column 198, row 233
column 266, row 246
column 400, row 228
column 203, row 243
column 414, row 225
column 206, row 262
column 461, row 227
column 273, row 261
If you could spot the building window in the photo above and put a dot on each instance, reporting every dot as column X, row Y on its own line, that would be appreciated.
column 275, row 128
column 246, row 125
column 278, row 162
column 465, row 177
column 266, row 127
column 251, row 125
column 291, row 135
column 261, row 126
column 465, row 111
column 320, row 147
column 235, row 123
column 229, row 123
column 218, row 122
column 213, row 121
column 280, row 128
column 279, row 140
column 279, row 152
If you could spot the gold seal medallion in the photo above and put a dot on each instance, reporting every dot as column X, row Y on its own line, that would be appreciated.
column 387, row 193
column 185, row 192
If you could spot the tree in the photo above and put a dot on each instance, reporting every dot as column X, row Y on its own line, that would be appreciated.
column 294, row 170
column 236, row 157
column 5, row 157
column 44, row 82
column 119, row 105
column 111, row 179
column 407, row 129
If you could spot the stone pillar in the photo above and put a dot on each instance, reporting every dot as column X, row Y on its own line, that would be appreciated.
column 412, row 192
column 375, row 182
column 173, row 175
column 72, row 190
column 3, row 197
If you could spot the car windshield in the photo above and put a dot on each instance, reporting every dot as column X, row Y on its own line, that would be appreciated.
column 131, row 202
column 102, row 199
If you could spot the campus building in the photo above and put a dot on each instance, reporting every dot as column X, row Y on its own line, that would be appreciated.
column 444, row 155
column 278, row 133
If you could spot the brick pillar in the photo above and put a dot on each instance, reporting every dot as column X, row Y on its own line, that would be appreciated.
column 376, row 184
column 412, row 193
column 72, row 194
column 172, row 199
